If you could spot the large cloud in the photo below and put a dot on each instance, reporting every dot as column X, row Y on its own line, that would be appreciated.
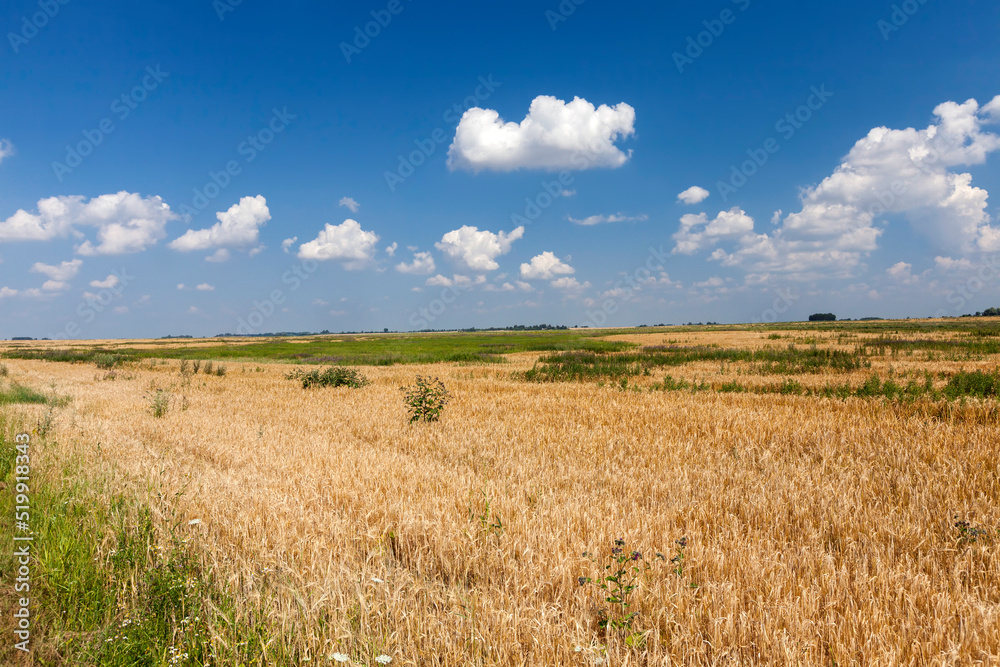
column 906, row 173
column 239, row 227
column 475, row 249
column 698, row 232
column 545, row 267
column 345, row 242
column 554, row 135
column 125, row 222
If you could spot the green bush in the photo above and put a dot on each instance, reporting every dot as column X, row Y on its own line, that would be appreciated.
column 975, row 383
column 426, row 399
column 107, row 362
column 159, row 403
column 335, row 376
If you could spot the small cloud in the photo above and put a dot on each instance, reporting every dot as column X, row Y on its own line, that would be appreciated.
column 569, row 284
column 693, row 195
column 61, row 272
column 545, row 266
column 902, row 273
column 219, row 256
column 439, row 281
column 391, row 250
column 181, row 286
column 320, row 302
column 192, row 310
column 205, row 287
column 256, row 251
column 121, row 310
column 422, row 264
column 108, row 283
column 6, row 149
column 288, row 243
column 350, row 203
column 601, row 219
column 7, row 292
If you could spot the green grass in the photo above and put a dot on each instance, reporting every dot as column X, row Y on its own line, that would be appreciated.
column 16, row 393
column 584, row 366
column 109, row 586
column 354, row 350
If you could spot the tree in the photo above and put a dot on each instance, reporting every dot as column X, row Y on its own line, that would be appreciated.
column 823, row 317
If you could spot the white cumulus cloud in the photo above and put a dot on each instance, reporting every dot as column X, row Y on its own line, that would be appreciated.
column 422, row 264
column 477, row 249
column 238, row 227
column 545, row 267
column 125, row 222
column 697, row 231
column 693, row 195
column 346, row 242
column 61, row 272
column 554, row 135
column 111, row 281
column 288, row 243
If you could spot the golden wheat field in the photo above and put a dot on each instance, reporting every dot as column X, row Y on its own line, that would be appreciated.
column 819, row 531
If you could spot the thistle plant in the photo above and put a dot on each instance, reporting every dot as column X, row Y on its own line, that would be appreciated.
column 620, row 572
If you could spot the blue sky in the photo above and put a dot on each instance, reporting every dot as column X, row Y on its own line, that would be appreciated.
column 207, row 167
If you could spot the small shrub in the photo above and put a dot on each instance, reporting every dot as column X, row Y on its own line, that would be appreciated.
column 426, row 399
column 976, row 383
column 185, row 367
column 4, row 372
column 335, row 376
column 220, row 370
column 107, row 362
column 159, row 403
column 208, row 368
column 195, row 365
